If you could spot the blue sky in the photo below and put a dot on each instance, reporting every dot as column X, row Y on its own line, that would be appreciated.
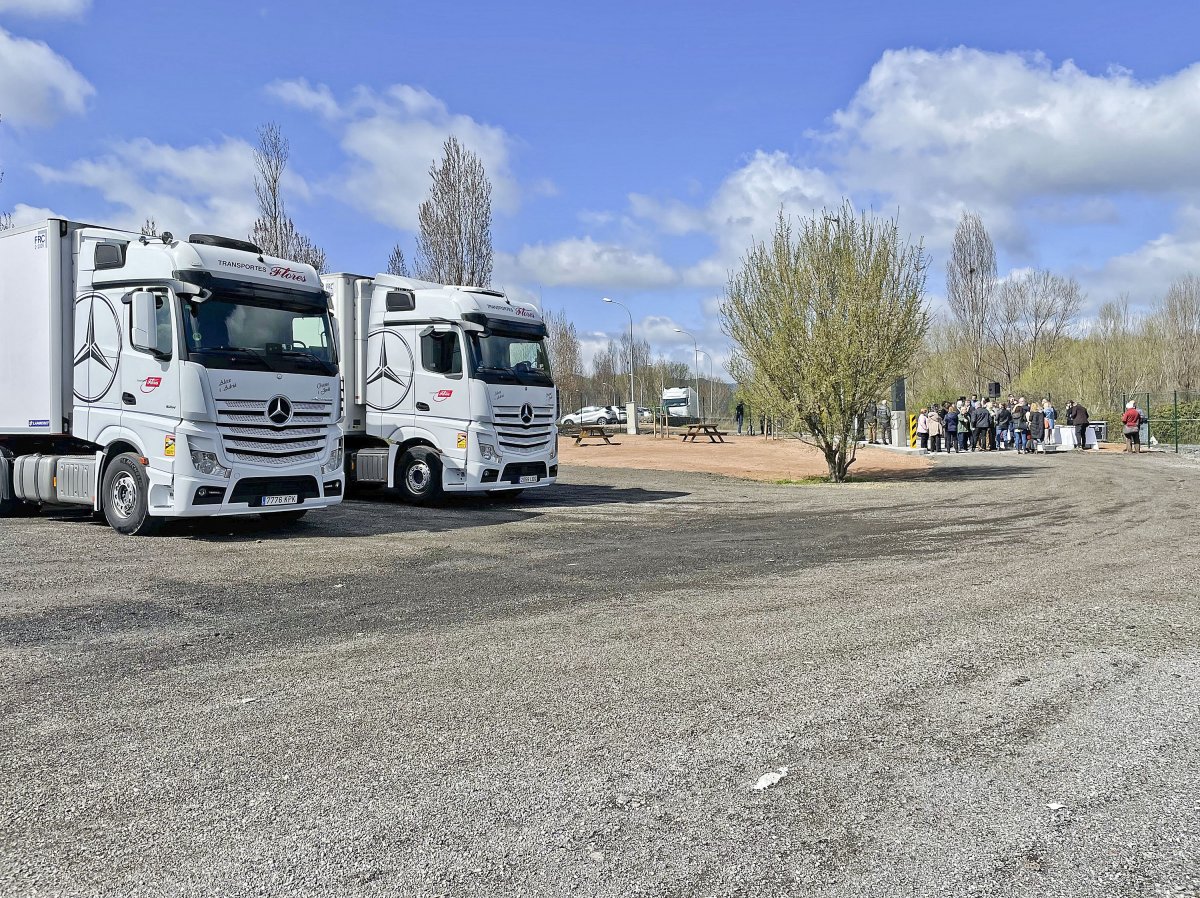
column 635, row 147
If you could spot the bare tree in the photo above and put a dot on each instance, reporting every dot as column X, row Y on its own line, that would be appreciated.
column 454, row 245
column 274, row 231
column 149, row 228
column 566, row 357
column 1177, row 322
column 397, row 264
column 1035, row 311
column 823, row 320
column 971, row 289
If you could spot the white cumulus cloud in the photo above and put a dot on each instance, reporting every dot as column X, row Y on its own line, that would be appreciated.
column 584, row 262
column 205, row 188
column 37, row 86
column 46, row 9
column 390, row 138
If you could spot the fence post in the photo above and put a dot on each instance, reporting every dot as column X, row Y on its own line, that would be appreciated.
column 1176, row 422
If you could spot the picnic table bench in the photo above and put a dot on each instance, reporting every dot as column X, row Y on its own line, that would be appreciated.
column 593, row 430
column 714, row 434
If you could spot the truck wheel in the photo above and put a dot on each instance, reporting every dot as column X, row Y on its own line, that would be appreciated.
column 11, row 506
column 125, row 497
column 419, row 476
column 284, row 518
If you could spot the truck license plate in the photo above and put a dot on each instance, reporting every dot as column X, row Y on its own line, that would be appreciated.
column 529, row 478
column 280, row 500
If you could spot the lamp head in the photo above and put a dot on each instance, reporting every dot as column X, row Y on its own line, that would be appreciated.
column 605, row 299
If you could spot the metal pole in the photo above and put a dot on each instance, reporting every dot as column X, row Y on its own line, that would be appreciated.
column 1176, row 422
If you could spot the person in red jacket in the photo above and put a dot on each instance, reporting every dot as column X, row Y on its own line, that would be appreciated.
column 1132, row 423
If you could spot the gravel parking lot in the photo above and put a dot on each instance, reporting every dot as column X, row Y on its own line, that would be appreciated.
column 980, row 681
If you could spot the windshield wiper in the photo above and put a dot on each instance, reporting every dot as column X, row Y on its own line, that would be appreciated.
column 311, row 356
column 253, row 353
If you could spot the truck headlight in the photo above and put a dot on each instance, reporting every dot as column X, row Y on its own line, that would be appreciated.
column 334, row 465
column 207, row 463
column 488, row 452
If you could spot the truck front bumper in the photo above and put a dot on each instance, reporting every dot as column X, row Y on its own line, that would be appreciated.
column 514, row 473
column 244, row 492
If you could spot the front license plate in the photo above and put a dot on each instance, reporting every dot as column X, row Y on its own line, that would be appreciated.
column 529, row 478
column 280, row 500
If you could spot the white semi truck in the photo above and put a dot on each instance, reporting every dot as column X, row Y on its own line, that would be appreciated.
column 681, row 403
column 152, row 378
column 448, row 389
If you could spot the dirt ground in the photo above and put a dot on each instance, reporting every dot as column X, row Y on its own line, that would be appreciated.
column 977, row 683
column 751, row 458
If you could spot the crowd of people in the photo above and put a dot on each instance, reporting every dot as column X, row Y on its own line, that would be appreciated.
column 993, row 425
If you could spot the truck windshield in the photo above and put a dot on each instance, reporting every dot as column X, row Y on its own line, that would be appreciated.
column 505, row 359
column 232, row 332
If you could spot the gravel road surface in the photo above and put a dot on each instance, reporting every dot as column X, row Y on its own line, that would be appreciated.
column 984, row 681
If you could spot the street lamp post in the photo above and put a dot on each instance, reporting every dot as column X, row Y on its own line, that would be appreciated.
column 631, row 423
column 632, row 396
column 710, row 381
column 695, row 359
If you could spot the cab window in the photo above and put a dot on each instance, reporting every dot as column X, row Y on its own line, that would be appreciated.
column 442, row 354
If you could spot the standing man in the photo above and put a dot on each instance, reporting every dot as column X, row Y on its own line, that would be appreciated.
column 981, row 420
column 740, row 414
column 883, row 415
column 1078, row 415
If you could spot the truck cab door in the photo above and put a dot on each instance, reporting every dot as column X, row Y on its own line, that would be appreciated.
column 443, row 403
column 150, row 382
column 388, row 372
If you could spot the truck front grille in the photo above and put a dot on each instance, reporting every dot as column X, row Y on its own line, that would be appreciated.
column 249, row 436
column 520, row 438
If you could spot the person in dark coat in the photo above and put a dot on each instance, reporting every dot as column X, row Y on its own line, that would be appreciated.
column 981, row 421
column 1079, row 417
column 1037, row 427
column 1004, row 426
column 740, row 414
column 950, row 423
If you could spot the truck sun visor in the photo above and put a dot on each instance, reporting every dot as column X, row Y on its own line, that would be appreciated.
column 306, row 299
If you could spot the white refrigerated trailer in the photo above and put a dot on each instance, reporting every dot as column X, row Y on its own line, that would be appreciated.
column 448, row 389
column 151, row 378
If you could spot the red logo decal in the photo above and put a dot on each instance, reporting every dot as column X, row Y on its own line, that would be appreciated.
column 150, row 384
column 443, row 395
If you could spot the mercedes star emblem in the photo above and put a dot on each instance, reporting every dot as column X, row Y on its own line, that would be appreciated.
column 98, row 355
column 389, row 380
column 279, row 411
column 527, row 414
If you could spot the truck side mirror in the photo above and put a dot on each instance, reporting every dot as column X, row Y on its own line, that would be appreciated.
column 142, row 322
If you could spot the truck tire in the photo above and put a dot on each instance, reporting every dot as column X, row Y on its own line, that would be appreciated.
column 11, row 506
column 125, row 497
column 419, row 476
column 284, row 518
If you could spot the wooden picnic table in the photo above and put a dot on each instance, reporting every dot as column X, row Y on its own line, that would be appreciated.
column 593, row 430
column 714, row 434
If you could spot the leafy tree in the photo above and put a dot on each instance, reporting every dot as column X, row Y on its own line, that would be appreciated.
column 823, row 319
column 454, row 245
column 274, row 231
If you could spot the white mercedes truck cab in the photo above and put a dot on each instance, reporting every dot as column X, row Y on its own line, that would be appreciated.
column 448, row 389
column 151, row 378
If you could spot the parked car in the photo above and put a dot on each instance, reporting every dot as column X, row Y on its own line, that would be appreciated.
column 592, row 414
